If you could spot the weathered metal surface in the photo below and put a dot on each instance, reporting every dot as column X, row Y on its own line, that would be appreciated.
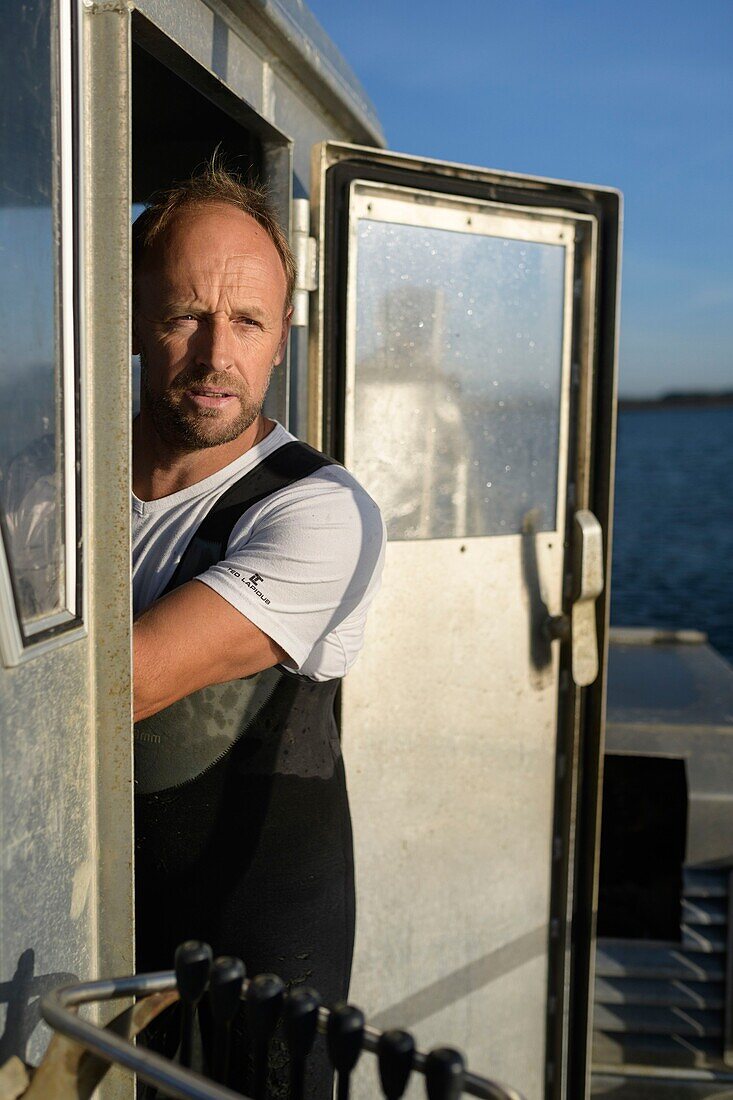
column 226, row 41
column 300, row 41
column 453, row 880
column 107, row 360
column 257, row 48
column 47, row 872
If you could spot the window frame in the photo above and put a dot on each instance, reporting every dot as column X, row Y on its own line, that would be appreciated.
column 402, row 205
column 19, row 642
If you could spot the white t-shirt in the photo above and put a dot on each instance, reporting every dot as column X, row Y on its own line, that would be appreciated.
column 303, row 565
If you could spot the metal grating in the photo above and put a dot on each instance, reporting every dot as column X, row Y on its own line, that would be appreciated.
column 660, row 1003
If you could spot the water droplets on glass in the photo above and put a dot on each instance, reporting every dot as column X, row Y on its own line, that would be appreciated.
column 445, row 319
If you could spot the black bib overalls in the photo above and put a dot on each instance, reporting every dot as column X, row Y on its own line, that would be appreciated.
column 243, row 836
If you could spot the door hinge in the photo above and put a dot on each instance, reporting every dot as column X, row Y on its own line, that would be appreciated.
column 306, row 261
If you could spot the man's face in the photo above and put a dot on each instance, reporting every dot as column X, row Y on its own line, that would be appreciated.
column 210, row 324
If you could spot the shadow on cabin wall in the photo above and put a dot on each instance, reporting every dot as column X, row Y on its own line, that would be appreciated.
column 21, row 998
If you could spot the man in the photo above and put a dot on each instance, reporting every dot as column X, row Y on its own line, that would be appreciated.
column 255, row 559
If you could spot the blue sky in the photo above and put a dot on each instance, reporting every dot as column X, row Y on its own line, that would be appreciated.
column 637, row 96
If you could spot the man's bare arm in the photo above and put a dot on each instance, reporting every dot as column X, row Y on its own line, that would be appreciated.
column 192, row 638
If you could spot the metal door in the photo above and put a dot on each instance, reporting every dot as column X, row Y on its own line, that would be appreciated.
column 467, row 340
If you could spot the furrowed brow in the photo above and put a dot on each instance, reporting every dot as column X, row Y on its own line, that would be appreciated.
column 174, row 306
column 198, row 309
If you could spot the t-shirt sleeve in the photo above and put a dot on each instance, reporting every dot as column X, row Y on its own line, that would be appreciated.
column 309, row 560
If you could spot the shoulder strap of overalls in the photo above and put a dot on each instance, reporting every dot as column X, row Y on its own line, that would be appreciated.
column 289, row 463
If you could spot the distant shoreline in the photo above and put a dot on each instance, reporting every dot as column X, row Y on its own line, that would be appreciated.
column 677, row 400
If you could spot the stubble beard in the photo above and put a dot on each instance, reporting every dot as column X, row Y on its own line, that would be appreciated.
column 202, row 428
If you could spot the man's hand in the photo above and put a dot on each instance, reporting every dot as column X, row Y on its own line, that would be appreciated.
column 192, row 638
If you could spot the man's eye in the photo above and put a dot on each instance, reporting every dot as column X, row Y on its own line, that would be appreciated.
column 248, row 322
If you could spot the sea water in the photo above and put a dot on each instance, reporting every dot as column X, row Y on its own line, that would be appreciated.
column 673, row 521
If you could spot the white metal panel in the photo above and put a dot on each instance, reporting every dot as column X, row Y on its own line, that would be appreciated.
column 449, row 738
column 294, row 109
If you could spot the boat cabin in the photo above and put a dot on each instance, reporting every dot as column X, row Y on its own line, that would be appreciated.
column 454, row 343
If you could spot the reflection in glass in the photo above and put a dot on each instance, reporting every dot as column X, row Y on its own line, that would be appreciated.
column 457, row 379
column 31, row 458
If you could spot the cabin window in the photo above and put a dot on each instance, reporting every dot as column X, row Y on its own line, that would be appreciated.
column 457, row 355
column 38, row 402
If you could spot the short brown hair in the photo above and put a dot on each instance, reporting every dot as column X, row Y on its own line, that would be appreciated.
column 212, row 184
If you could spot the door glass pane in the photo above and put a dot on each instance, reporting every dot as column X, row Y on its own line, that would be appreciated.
column 31, row 455
column 457, row 370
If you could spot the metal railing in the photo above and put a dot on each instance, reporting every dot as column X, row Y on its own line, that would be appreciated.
column 58, row 1009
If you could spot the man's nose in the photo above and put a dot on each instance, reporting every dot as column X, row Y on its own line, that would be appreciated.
column 215, row 343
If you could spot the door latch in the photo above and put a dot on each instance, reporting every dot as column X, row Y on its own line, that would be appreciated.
column 579, row 628
column 588, row 574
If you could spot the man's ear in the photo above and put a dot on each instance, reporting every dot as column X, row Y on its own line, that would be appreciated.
column 280, row 354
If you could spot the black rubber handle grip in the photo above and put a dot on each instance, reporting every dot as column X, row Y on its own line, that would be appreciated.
column 263, row 1000
column 444, row 1072
column 192, row 966
column 395, row 1054
column 345, row 1037
column 300, row 1016
column 225, row 987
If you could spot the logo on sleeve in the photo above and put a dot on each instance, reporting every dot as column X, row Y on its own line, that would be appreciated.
column 251, row 582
